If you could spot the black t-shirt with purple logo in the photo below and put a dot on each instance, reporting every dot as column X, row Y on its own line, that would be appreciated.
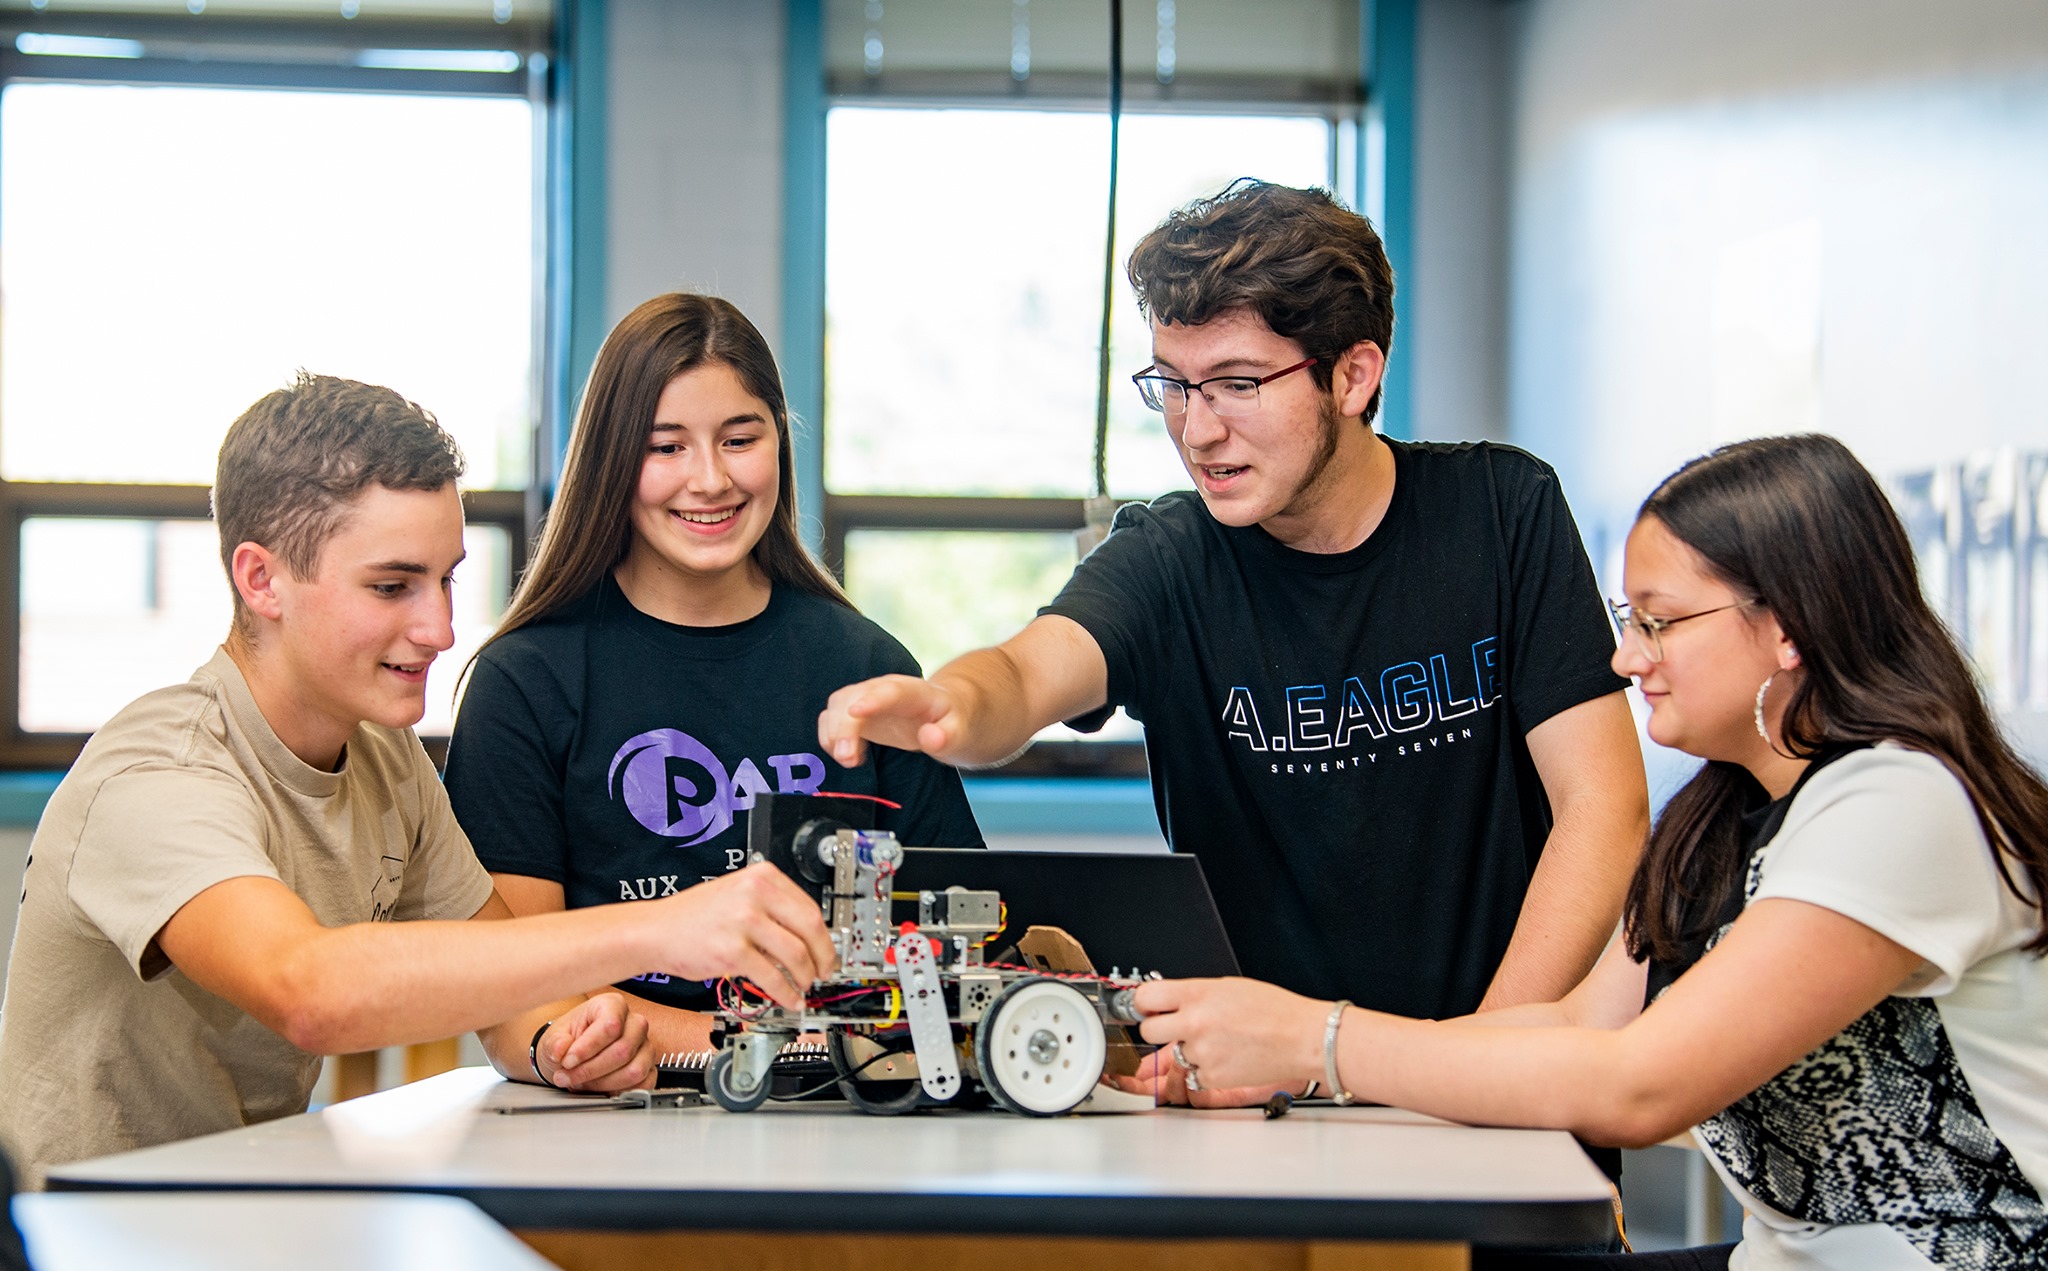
column 614, row 753
column 1341, row 738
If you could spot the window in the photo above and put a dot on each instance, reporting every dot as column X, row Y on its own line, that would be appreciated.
column 962, row 338
column 179, row 234
column 964, row 218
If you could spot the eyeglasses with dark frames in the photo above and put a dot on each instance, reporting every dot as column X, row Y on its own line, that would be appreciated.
column 1226, row 394
column 1648, row 630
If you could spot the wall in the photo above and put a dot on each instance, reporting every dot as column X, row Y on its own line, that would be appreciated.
column 1734, row 218
column 694, row 154
column 1451, row 335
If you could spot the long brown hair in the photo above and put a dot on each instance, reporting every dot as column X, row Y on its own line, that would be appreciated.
column 589, row 527
column 1796, row 526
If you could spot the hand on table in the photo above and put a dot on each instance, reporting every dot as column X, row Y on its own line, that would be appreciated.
column 602, row 1045
column 1167, row 1082
column 1245, row 1039
column 895, row 710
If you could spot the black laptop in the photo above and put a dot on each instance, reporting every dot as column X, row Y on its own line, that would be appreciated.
column 1149, row 911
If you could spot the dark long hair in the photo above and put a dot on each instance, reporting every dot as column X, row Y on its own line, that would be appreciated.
column 589, row 527
column 1797, row 526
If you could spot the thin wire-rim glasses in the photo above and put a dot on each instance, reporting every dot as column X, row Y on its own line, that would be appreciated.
column 1649, row 630
column 1237, row 394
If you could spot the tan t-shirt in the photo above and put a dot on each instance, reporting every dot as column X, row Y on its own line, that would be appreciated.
column 104, row 1046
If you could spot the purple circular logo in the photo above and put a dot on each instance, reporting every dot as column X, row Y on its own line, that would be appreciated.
column 673, row 785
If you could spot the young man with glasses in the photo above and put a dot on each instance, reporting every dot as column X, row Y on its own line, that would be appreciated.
column 1373, row 674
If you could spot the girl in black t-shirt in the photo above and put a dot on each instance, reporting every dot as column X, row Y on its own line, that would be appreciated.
column 667, row 652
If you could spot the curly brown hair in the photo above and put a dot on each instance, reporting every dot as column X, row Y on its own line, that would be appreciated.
column 1312, row 269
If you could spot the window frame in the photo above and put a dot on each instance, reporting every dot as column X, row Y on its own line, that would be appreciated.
column 1341, row 105
column 284, row 54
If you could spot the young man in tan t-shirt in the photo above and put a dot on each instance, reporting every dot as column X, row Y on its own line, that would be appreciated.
column 257, row 867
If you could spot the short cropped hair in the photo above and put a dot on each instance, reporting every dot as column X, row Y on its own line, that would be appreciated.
column 1313, row 270
column 293, row 464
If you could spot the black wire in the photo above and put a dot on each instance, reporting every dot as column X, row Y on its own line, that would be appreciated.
column 837, row 1077
column 1116, row 112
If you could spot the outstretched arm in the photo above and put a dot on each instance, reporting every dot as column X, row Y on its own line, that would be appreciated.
column 587, row 1041
column 1592, row 773
column 670, row 1030
column 980, row 708
column 334, row 990
column 1788, row 976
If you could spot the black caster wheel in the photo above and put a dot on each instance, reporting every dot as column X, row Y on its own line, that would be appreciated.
column 718, row 1082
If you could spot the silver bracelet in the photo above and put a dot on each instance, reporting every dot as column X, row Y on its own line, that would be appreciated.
column 1338, row 1094
column 1005, row 761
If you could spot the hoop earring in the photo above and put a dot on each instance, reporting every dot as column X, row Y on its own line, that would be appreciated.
column 1762, row 689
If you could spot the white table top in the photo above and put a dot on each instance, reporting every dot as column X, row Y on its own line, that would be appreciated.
column 1319, row 1173
column 241, row 1231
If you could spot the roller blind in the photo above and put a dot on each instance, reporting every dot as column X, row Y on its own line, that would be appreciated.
column 1277, row 49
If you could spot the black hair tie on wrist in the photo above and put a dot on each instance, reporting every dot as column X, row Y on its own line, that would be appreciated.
column 533, row 1056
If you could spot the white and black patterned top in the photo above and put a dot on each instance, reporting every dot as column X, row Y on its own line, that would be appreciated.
column 1879, row 1125
column 1918, row 1135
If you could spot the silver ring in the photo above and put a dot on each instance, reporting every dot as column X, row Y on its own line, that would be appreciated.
column 1193, row 1081
column 1180, row 1057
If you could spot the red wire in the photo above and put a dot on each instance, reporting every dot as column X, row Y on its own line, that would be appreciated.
column 731, row 998
column 841, row 997
column 891, row 804
column 1094, row 977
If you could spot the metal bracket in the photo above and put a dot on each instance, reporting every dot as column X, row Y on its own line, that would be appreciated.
column 625, row 1099
column 754, row 1053
column 977, row 994
column 924, row 1005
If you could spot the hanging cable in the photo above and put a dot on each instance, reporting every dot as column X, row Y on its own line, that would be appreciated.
column 1116, row 111
column 1100, row 508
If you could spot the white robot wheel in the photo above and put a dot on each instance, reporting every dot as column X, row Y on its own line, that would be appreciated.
column 1040, row 1047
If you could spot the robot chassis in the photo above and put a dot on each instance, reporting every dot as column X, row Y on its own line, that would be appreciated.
column 1035, row 1043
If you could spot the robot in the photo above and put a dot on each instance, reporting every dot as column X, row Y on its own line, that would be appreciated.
column 1035, row 1043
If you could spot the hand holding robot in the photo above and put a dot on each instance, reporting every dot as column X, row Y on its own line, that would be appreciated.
column 754, row 923
column 1228, row 1030
column 1035, row 1042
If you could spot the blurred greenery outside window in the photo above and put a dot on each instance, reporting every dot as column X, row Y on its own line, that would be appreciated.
column 170, row 252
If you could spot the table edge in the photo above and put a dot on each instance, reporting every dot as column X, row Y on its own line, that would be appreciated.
column 1523, row 1223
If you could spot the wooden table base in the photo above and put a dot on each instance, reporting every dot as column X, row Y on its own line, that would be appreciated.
column 775, row 1251
column 356, row 1075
